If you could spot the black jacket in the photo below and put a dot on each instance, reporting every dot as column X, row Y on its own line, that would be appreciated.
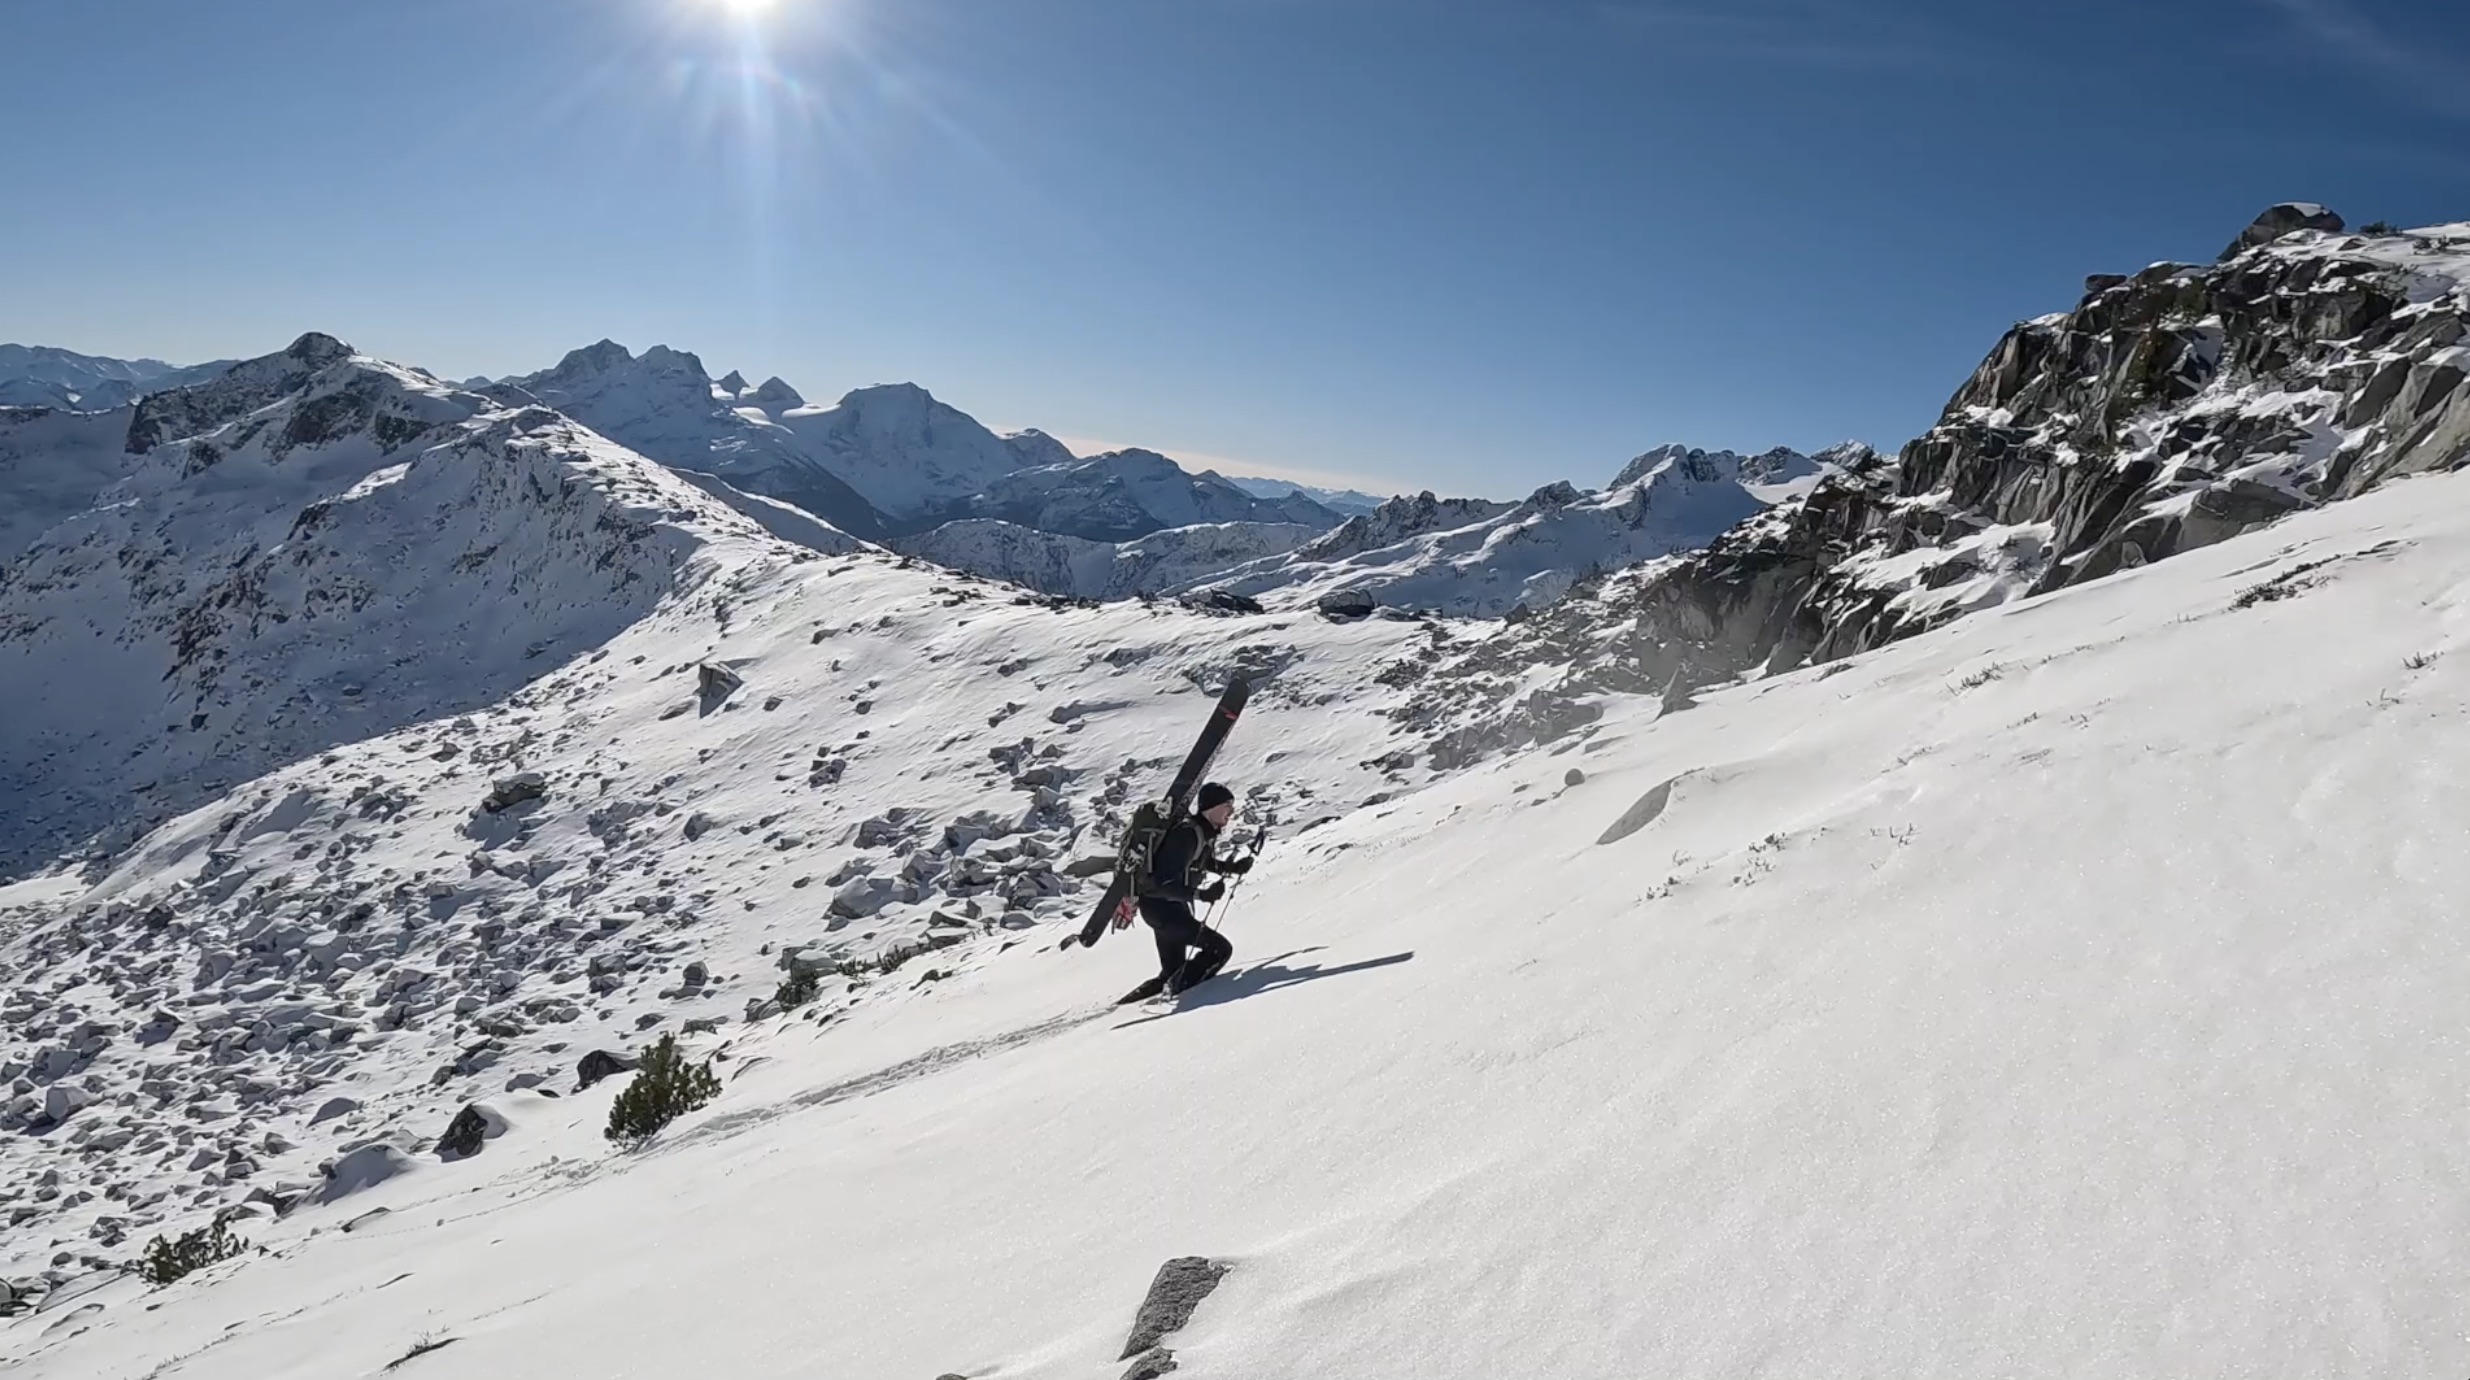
column 1182, row 854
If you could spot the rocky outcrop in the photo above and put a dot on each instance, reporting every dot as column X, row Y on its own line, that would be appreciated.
column 2288, row 218
column 1173, row 1296
column 2171, row 409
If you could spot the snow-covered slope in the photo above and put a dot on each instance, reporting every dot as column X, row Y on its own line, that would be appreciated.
column 1126, row 494
column 664, row 405
column 1076, row 567
column 538, row 723
column 54, row 464
column 2062, row 993
column 1469, row 557
column 315, row 548
column 45, row 376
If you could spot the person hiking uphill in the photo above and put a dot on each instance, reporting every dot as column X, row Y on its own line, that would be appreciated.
column 1171, row 889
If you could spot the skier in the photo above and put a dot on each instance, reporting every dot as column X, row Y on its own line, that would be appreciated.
column 1169, row 893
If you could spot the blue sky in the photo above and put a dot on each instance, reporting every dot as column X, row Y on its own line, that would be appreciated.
column 1467, row 244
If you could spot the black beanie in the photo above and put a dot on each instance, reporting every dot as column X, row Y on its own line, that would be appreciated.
column 1211, row 795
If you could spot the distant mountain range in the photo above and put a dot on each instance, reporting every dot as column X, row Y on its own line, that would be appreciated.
column 894, row 466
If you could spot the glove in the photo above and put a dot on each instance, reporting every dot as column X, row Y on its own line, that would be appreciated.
column 1237, row 868
column 1123, row 917
column 1209, row 894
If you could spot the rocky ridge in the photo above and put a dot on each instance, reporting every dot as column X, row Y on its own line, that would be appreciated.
column 2169, row 409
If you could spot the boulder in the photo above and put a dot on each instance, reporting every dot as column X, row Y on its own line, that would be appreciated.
column 1180, row 1286
column 473, row 1127
column 2288, row 218
column 600, row 1064
column 509, row 791
column 1347, row 605
column 716, row 683
column 865, row 896
column 61, row 1101
column 334, row 1107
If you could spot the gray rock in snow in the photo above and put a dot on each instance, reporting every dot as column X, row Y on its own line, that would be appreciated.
column 1347, row 605
column 465, row 1134
column 600, row 1064
column 1157, row 1362
column 716, row 683
column 61, row 1101
column 1573, row 777
column 334, row 1107
column 509, row 791
column 1179, row 1288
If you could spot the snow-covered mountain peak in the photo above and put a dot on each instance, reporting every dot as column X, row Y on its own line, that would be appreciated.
column 907, row 452
column 599, row 357
column 732, row 383
column 1035, row 448
column 775, row 395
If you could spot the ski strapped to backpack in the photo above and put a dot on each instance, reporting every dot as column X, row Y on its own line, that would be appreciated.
column 1154, row 818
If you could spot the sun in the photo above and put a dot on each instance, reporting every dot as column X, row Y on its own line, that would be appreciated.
column 745, row 9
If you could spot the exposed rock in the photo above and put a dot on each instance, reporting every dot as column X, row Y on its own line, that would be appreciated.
column 62, row 1100
column 696, row 977
column 1156, row 1362
column 1089, row 867
column 509, row 791
column 334, row 1107
column 600, row 1064
column 716, row 683
column 1347, row 605
column 1180, row 1286
column 1573, row 777
column 472, row 1128
column 2177, row 408
column 2288, row 218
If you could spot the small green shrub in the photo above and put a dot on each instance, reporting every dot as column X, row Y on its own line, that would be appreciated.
column 800, row 987
column 172, row 1258
column 665, row 1088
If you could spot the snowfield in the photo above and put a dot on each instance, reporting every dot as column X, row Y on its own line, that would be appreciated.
column 2070, row 991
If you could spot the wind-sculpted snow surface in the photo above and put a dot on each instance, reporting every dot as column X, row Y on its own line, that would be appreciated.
column 2123, row 926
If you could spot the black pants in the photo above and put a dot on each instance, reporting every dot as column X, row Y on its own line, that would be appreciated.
column 1180, row 931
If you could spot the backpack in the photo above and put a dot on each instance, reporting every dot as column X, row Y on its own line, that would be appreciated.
column 1140, row 844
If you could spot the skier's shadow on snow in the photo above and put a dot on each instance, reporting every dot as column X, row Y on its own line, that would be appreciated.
column 1268, row 975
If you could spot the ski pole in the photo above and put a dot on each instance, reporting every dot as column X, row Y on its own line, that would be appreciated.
column 1227, row 902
